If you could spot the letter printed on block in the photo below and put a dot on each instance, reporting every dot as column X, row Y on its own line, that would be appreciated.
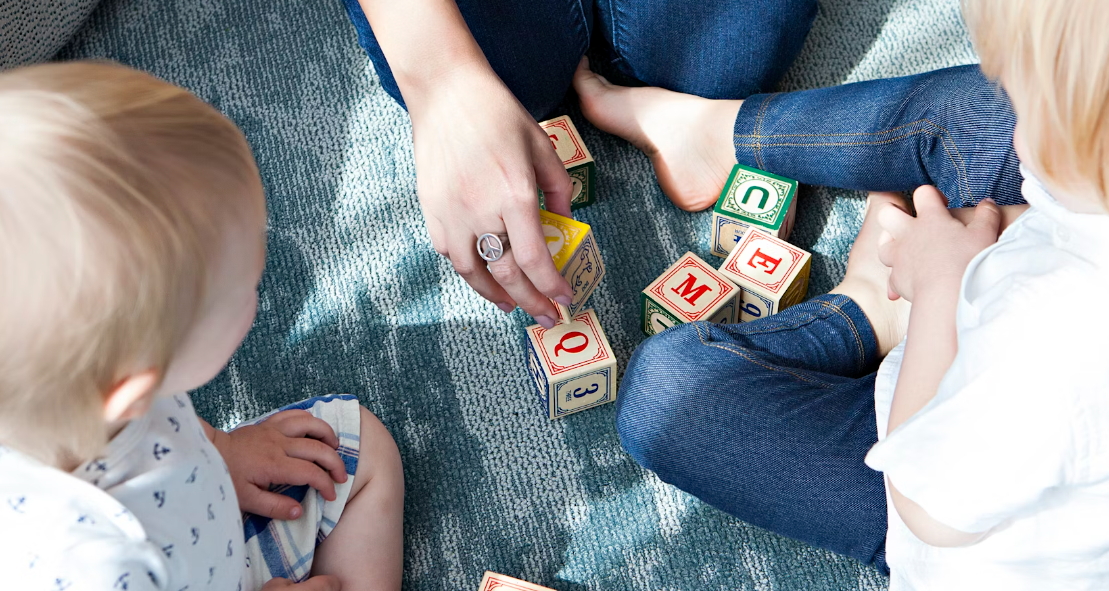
column 772, row 273
column 572, row 365
column 751, row 198
column 574, row 251
column 497, row 582
column 690, row 290
column 575, row 157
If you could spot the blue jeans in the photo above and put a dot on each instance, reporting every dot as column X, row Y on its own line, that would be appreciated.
column 768, row 421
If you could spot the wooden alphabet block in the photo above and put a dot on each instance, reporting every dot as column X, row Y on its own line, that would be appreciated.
column 575, row 157
column 572, row 365
column 497, row 582
column 772, row 273
column 688, row 291
column 574, row 250
column 751, row 198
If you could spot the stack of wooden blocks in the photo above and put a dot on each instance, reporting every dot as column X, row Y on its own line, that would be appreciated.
column 572, row 365
column 762, row 274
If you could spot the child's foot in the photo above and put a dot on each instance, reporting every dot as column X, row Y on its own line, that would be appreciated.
column 687, row 138
column 867, row 279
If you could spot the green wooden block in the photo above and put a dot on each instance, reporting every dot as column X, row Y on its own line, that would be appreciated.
column 751, row 198
column 583, row 178
column 655, row 318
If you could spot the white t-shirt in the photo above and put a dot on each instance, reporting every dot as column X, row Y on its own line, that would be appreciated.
column 1016, row 440
column 157, row 511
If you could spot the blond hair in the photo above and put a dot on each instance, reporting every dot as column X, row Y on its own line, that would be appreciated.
column 1052, row 58
column 116, row 192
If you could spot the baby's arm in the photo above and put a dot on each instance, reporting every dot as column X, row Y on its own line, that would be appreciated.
column 929, row 255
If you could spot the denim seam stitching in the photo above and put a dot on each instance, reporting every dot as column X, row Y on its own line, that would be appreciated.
column 751, row 359
column 758, row 129
column 838, row 310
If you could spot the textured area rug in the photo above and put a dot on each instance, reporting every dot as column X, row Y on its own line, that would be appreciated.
column 355, row 300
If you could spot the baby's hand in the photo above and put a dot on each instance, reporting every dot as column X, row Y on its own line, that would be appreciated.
column 317, row 583
column 932, row 250
column 291, row 447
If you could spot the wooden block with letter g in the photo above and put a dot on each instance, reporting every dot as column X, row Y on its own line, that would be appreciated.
column 574, row 250
column 690, row 290
column 498, row 582
column 751, row 198
column 575, row 157
column 772, row 273
column 572, row 365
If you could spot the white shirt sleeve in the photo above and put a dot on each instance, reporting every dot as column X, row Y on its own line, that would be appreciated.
column 1000, row 434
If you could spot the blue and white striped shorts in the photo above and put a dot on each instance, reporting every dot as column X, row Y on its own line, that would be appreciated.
column 276, row 548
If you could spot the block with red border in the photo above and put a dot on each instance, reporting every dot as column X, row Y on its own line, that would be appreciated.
column 752, row 198
column 772, row 273
column 497, row 582
column 574, row 251
column 575, row 157
column 572, row 365
column 690, row 290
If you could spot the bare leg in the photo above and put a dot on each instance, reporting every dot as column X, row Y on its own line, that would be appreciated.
column 366, row 548
column 687, row 138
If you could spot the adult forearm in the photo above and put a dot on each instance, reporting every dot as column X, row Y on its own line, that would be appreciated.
column 423, row 40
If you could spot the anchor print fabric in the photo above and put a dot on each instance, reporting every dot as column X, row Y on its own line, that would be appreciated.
column 156, row 511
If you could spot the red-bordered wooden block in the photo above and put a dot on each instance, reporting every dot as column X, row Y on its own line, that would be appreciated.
column 497, row 582
column 572, row 365
column 690, row 290
column 772, row 273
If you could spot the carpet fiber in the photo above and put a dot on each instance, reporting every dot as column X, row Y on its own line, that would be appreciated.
column 355, row 300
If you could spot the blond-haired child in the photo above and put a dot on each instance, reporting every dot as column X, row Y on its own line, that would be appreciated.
column 989, row 423
column 132, row 240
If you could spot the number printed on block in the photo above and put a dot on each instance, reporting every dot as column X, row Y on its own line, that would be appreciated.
column 772, row 273
column 575, row 157
column 572, row 365
column 690, row 290
column 751, row 198
column 497, row 582
column 574, row 250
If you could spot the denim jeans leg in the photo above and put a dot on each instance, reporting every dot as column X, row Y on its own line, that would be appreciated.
column 533, row 46
column 951, row 128
column 720, row 50
column 768, row 420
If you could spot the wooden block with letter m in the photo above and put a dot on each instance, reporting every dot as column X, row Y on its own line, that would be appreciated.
column 574, row 250
column 572, row 365
column 497, row 582
column 575, row 157
column 690, row 290
column 772, row 273
column 751, row 198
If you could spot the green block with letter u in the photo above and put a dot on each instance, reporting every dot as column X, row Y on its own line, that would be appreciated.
column 751, row 198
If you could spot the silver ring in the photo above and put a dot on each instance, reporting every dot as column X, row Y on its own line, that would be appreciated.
column 491, row 247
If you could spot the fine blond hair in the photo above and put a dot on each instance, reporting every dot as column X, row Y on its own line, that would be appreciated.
column 116, row 192
column 1052, row 58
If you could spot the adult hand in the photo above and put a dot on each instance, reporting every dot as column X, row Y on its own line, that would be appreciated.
column 291, row 447
column 317, row 583
column 479, row 158
column 932, row 250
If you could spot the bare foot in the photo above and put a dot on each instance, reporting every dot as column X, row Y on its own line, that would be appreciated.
column 867, row 279
column 687, row 138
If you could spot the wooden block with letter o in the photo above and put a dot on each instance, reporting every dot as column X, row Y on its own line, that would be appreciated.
column 690, row 290
column 772, row 273
column 575, row 157
column 574, row 250
column 497, row 582
column 751, row 198
column 572, row 365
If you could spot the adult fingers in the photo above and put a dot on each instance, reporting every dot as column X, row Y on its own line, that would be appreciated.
column 472, row 268
column 320, row 454
column 516, row 282
column 268, row 504
column 437, row 234
column 529, row 249
column 929, row 201
column 551, row 177
column 987, row 218
column 301, row 423
column 299, row 472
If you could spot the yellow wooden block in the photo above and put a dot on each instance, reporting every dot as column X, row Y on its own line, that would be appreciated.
column 574, row 251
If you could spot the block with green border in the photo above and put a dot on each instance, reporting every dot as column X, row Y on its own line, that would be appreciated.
column 575, row 157
column 751, row 198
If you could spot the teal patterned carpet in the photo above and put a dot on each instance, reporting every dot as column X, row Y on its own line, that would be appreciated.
column 355, row 300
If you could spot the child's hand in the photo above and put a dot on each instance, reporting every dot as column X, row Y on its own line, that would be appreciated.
column 317, row 583
column 932, row 250
column 291, row 447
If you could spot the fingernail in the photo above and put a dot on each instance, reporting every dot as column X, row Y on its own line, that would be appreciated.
column 564, row 300
column 506, row 307
column 545, row 321
column 295, row 513
column 989, row 200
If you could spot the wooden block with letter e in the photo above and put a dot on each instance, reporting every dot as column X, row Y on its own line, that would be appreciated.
column 751, row 198
column 574, row 250
column 575, row 157
column 572, row 365
column 497, row 582
column 690, row 290
column 772, row 273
